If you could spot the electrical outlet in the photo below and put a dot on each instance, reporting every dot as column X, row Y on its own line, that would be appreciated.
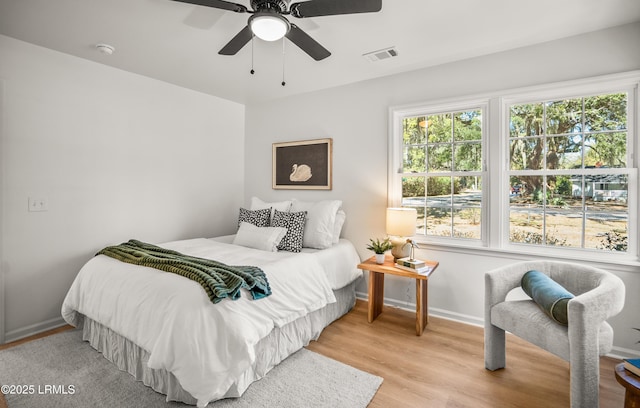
column 38, row 204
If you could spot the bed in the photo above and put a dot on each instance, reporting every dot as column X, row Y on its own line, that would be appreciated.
column 164, row 330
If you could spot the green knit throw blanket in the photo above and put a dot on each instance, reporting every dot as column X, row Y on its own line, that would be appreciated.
column 217, row 279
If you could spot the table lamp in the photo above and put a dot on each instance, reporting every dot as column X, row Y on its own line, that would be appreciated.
column 401, row 224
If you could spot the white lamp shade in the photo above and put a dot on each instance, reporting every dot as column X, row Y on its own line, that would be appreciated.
column 401, row 222
column 269, row 27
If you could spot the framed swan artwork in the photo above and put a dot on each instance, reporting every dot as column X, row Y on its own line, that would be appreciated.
column 302, row 165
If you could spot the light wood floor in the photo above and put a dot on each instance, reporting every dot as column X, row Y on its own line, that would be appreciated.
column 444, row 368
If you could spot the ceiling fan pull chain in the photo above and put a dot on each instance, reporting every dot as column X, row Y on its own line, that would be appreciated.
column 283, row 83
column 252, row 71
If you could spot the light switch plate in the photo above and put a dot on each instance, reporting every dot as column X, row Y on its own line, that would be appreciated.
column 38, row 204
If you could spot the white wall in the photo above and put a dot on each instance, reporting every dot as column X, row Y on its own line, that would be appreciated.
column 117, row 156
column 2, row 312
column 356, row 117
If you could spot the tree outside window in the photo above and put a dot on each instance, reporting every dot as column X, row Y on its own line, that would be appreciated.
column 567, row 172
column 442, row 172
column 562, row 160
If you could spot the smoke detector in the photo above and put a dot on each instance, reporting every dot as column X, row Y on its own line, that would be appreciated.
column 105, row 49
column 382, row 54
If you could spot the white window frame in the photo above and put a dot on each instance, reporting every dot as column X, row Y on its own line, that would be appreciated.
column 396, row 151
column 567, row 92
column 495, row 183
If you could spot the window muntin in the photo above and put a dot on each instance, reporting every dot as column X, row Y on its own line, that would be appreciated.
column 442, row 172
column 567, row 172
column 570, row 139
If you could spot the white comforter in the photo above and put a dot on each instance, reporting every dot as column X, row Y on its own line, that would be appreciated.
column 206, row 346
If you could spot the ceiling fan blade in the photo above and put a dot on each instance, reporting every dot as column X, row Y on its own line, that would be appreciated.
column 219, row 4
column 316, row 8
column 237, row 42
column 307, row 44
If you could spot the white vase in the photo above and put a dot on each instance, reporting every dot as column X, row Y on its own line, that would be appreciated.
column 379, row 259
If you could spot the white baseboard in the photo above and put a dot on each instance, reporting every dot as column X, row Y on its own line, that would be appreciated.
column 617, row 352
column 30, row 330
column 441, row 313
column 622, row 353
column 457, row 317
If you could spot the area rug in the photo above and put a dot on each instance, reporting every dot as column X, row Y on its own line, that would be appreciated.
column 63, row 371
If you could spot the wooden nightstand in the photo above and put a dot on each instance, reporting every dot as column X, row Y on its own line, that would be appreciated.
column 376, row 288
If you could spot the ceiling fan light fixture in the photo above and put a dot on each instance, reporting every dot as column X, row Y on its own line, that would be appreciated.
column 268, row 26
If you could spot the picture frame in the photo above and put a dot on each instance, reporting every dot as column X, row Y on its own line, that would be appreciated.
column 302, row 165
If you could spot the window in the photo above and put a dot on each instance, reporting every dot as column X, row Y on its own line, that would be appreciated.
column 563, row 173
column 568, row 176
column 441, row 170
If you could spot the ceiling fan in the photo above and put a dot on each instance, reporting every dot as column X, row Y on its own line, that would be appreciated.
column 268, row 22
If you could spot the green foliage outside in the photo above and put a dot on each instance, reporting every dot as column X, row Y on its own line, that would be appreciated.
column 614, row 241
column 567, row 133
column 579, row 133
column 530, row 237
column 443, row 142
column 435, row 186
column 563, row 186
column 413, row 187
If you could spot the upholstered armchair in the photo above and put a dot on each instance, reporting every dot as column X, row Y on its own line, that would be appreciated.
column 598, row 296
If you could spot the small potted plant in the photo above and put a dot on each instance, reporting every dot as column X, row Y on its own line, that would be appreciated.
column 379, row 248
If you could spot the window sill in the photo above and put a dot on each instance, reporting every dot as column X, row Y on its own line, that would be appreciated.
column 598, row 260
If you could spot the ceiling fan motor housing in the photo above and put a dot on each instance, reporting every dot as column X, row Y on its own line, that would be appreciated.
column 279, row 6
column 268, row 20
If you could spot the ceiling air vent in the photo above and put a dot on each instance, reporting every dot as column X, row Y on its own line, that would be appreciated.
column 383, row 54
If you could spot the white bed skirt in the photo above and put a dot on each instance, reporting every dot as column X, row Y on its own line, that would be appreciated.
column 270, row 351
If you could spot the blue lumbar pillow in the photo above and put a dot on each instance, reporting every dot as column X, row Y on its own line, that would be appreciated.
column 548, row 294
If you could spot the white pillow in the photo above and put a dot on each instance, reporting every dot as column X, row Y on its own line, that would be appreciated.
column 263, row 238
column 341, row 216
column 321, row 220
column 258, row 204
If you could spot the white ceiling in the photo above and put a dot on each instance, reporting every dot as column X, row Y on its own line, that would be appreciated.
column 178, row 43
